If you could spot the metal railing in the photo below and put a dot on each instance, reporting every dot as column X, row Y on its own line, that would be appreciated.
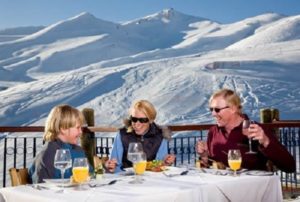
column 19, row 150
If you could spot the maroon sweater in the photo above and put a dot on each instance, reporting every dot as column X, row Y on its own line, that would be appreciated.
column 219, row 144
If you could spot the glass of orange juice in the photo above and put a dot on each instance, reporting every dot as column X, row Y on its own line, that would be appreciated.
column 139, row 168
column 234, row 160
column 80, row 171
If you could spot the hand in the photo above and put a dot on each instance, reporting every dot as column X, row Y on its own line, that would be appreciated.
column 169, row 159
column 110, row 165
column 202, row 149
column 245, row 132
column 257, row 133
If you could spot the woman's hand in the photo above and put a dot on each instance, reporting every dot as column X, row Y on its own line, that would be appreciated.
column 169, row 159
column 257, row 133
column 110, row 165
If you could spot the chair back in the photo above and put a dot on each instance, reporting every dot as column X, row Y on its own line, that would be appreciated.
column 98, row 160
column 18, row 176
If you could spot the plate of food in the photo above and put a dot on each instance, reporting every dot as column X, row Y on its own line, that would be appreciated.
column 155, row 166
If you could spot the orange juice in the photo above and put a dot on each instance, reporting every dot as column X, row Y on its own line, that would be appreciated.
column 235, row 164
column 140, row 167
column 80, row 174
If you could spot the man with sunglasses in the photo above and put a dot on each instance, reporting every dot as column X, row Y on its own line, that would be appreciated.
column 225, row 106
column 140, row 127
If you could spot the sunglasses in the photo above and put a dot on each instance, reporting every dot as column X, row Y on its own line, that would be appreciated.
column 141, row 120
column 217, row 110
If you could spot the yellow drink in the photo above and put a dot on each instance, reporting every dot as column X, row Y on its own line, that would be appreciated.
column 140, row 167
column 80, row 174
column 235, row 164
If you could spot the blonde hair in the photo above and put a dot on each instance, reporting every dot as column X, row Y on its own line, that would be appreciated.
column 144, row 106
column 61, row 117
column 231, row 98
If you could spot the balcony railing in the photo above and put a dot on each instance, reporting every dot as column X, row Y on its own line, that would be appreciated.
column 18, row 148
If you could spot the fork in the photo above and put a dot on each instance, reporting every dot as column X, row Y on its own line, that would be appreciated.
column 173, row 175
column 38, row 187
column 101, row 185
column 42, row 187
column 220, row 173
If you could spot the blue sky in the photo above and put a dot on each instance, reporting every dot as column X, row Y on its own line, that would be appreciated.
column 15, row 13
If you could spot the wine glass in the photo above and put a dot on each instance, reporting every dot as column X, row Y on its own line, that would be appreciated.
column 234, row 160
column 140, row 167
column 62, row 161
column 80, row 171
column 246, row 125
column 135, row 152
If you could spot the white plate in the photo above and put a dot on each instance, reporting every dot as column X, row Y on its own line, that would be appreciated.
column 216, row 171
column 259, row 173
column 127, row 172
column 60, row 182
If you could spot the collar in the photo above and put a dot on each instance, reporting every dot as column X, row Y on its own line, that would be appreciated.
column 64, row 145
column 222, row 129
column 153, row 130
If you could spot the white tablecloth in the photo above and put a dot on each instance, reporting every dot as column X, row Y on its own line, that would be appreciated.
column 156, row 187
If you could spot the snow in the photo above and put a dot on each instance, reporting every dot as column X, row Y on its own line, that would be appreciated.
column 174, row 60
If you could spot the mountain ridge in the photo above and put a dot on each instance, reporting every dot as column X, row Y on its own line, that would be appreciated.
column 174, row 62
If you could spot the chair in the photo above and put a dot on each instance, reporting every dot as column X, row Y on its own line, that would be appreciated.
column 98, row 160
column 19, row 176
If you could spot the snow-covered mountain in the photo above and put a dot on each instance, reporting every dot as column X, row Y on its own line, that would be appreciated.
column 174, row 60
column 18, row 32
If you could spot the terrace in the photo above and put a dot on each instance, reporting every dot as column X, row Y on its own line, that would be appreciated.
column 18, row 149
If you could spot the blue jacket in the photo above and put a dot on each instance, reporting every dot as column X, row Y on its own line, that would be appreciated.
column 118, row 146
column 43, row 164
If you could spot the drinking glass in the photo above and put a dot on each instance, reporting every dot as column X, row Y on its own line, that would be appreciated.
column 80, row 171
column 140, row 167
column 62, row 161
column 246, row 125
column 135, row 153
column 234, row 160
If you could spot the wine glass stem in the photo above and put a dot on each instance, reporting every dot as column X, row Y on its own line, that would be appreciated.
column 250, row 144
column 62, row 179
column 136, row 177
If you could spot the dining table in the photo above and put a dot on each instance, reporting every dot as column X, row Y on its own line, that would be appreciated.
column 175, row 184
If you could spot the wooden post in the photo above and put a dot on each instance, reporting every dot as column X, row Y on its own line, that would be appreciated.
column 265, row 116
column 88, row 141
column 274, row 114
column 275, row 117
column 268, row 116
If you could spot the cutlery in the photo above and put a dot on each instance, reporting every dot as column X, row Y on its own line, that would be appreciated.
column 39, row 187
column 203, row 170
column 220, row 173
column 217, row 172
column 179, row 174
column 242, row 171
column 101, row 185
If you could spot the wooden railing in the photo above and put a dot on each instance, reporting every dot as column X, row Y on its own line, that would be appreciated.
column 174, row 128
column 287, row 128
column 18, row 129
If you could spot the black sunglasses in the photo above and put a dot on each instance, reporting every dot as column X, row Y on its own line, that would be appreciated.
column 217, row 110
column 141, row 120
